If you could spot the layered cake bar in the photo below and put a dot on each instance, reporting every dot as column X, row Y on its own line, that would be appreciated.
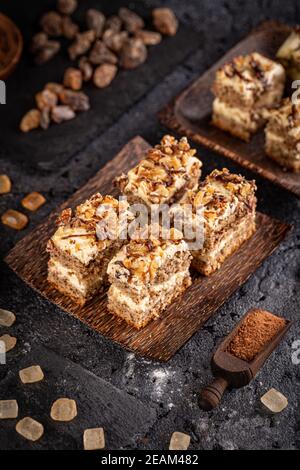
column 283, row 136
column 83, row 245
column 163, row 177
column 243, row 89
column 225, row 205
column 147, row 275
column 289, row 54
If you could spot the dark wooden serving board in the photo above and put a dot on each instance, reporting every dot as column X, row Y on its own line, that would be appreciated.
column 161, row 338
column 52, row 148
column 190, row 112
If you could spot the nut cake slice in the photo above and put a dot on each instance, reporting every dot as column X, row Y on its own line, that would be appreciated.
column 243, row 89
column 163, row 177
column 147, row 275
column 83, row 245
column 228, row 207
column 283, row 136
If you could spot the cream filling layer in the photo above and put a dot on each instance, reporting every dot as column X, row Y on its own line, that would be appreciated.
column 66, row 274
column 147, row 302
column 228, row 239
column 234, row 114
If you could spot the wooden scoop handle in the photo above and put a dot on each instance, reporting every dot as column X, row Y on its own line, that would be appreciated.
column 211, row 396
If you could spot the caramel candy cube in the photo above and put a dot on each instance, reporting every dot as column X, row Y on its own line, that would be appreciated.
column 179, row 441
column 31, row 375
column 30, row 429
column 9, row 342
column 33, row 201
column 93, row 439
column 8, row 409
column 14, row 219
column 5, row 184
column 63, row 409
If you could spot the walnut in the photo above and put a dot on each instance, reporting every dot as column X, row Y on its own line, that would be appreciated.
column 65, row 217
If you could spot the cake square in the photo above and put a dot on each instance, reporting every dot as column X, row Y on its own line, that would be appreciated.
column 243, row 89
column 282, row 133
column 163, row 177
column 289, row 54
column 148, row 274
column 83, row 245
column 227, row 205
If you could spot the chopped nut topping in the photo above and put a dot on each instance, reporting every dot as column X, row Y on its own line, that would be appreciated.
column 5, row 184
column 169, row 167
column 14, row 219
column 33, row 201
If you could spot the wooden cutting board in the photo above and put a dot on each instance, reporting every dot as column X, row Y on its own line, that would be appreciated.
column 190, row 113
column 161, row 338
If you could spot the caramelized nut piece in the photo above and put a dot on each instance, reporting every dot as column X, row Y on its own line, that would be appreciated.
column 9, row 342
column 46, row 99
column 66, row 7
column 5, row 184
column 73, row 78
column 149, row 38
column 33, row 201
column 165, row 21
column 30, row 429
column 31, row 120
column 14, row 219
column 104, row 75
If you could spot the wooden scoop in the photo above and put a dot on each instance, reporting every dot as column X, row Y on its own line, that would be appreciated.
column 233, row 372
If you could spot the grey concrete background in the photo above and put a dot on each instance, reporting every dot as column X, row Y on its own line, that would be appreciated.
column 169, row 392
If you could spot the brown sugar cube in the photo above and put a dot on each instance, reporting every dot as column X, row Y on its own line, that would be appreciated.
column 179, row 441
column 9, row 409
column 30, row 429
column 31, row 375
column 73, row 78
column 93, row 439
column 9, row 342
column 31, row 120
column 274, row 401
column 63, row 409
column 7, row 318
column 33, row 201
column 14, row 219
column 5, row 184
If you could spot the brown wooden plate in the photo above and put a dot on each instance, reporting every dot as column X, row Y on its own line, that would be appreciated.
column 161, row 338
column 190, row 112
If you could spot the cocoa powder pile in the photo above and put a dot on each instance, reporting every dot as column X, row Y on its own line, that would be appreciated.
column 256, row 332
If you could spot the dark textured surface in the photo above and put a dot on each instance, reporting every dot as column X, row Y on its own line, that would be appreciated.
column 54, row 147
column 170, row 389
